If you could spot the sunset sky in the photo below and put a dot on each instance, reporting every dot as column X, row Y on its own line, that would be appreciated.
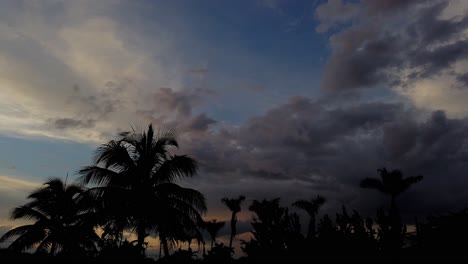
column 274, row 98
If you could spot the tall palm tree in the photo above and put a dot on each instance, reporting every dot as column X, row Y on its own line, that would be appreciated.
column 235, row 206
column 64, row 221
column 391, row 183
column 135, row 176
column 311, row 207
column 213, row 227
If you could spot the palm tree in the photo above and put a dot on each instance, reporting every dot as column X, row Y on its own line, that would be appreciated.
column 391, row 183
column 311, row 207
column 235, row 206
column 391, row 229
column 64, row 221
column 213, row 227
column 135, row 177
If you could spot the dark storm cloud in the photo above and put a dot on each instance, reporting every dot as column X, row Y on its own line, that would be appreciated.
column 441, row 58
column 428, row 28
column 304, row 148
column 390, row 37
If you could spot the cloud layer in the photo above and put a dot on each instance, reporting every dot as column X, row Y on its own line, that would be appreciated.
column 403, row 45
column 393, row 94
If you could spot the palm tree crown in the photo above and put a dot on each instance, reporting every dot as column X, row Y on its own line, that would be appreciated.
column 391, row 183
column 213, row 227
column 235, row 206
column 64, row 221
column 311, row 207
column 135, row 177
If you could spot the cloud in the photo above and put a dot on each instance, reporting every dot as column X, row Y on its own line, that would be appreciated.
column 394, row 44
column 75, row 76
column 334, row 13
column 90, row 76
column 64, row 123
column 313, row 148
column 14, row 183
column 177, row 110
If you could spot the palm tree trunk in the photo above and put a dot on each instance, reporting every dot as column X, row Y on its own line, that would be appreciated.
column 53, row 248
column 394, row 215
column 393, row 203
column 212, row 242
column 163, row 239
column 311, row 231
column 233, row 228
column 160, row 248
column 141, row 234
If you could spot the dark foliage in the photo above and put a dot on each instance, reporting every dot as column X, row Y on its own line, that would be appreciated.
column 134, row 191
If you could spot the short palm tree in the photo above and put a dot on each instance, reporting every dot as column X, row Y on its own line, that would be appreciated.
column 64, row 221
column 311, row 207
column 235, row 206
column 391, row 183
column 135, row 177
column 213, row 227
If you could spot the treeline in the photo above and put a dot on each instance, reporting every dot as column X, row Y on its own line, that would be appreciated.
column 132, row 188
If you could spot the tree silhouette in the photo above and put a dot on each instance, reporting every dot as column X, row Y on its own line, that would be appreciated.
column 213, row 227
column 391, row 229
column 276, row 233
column 135, row 177
column 235, row 206
column 311, row 207
column 391, row 183
column 64, row 221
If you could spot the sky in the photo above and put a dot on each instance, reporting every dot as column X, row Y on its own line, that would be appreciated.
column 273, row 98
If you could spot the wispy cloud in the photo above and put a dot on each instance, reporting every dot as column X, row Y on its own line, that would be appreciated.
column 12, row 183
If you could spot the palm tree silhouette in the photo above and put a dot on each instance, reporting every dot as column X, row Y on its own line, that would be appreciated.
column 391, row 183
column 311, row 207
column 135, row 176
column 64, row 221
column 213, row 227
column 391, row 229
column 235, row 206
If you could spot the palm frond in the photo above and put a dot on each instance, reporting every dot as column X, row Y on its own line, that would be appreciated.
column 304, row 205
column 407, row 182
column 187, row 195
column 96, row 175
column 17, row 231
column 72, row 190
column 175, row 168
column 27, row 212
column 114, row 155
column 44, row 245
column 28, row 239
column 233, row 204
column 371, row 183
